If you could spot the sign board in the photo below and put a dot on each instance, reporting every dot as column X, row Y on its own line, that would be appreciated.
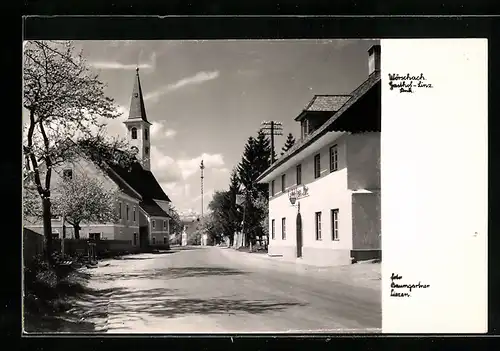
column 297, row 193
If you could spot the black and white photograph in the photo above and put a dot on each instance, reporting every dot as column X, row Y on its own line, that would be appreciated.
column 202, row 186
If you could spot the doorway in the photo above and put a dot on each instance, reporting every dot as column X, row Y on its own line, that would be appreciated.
column 299, row 234
column 143, row 237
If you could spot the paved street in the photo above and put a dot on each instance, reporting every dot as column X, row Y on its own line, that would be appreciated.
column 217, row 290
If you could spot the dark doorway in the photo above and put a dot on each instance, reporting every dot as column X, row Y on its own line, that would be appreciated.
column 143, row 237
column 299, row 235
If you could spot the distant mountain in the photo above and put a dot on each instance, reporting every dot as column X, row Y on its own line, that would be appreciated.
column 188, row 214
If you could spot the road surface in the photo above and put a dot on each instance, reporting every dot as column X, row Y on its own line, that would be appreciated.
column 216, row 290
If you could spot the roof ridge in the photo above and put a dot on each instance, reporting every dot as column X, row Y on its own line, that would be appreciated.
column 354, row 96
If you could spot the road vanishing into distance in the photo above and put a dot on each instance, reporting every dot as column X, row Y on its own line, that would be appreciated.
column 220, row 290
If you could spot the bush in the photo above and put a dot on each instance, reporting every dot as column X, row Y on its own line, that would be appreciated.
column 46, row 287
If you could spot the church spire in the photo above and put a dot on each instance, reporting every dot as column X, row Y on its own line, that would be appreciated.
column 137, row 108
column 138, row 125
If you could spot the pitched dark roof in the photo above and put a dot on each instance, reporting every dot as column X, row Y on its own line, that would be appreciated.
column 327, row 102
column 126, row 188
column 332, row 125
column 153, row 209
column 324, row 103
column 137, row 106
column 142, row 181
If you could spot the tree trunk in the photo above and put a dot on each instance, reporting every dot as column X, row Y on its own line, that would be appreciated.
column 47, row 229
column 77, row 228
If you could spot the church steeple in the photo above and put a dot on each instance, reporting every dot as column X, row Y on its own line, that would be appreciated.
column 137, row 108
column 138, row 125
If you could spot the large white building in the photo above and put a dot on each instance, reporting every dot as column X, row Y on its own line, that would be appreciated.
column 324, row 205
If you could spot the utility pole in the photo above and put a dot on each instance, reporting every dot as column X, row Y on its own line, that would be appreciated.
column 202, row 167
column 272, row 128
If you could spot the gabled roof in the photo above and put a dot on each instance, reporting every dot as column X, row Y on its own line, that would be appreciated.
column 324, row 103
column 330, row 124
column 137, row 106
column 124, row 187
column 142, row 181
column 153, row 209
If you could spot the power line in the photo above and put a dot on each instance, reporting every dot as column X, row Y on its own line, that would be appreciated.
column 272, row 128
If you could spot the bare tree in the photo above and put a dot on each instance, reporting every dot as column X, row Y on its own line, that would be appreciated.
column 83, row 199
column 62, row 100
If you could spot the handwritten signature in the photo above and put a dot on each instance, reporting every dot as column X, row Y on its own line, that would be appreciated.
column 410, row 287
column 407, row 83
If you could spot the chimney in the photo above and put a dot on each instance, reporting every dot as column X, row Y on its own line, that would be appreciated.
column 374, row 59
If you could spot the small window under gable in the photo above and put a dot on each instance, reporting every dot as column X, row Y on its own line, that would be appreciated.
column 146, row 134
column 133, row 132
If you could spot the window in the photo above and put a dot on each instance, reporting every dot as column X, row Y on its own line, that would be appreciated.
column 317, row 166
column 283, row 228
column 134, row 214
column 318, row 225
column 299, row 174
column 305, row 128
column 134, row 133
column 164, row 224
column 164, row 240
column 135, row 239
column 283, row 184
column 335, row 224
column 95, row 236
column 334, row 161
column 153, row 223
column 272, row 188
column 120, row 210
column 147, row 150
column 146, row 134
column 67, row 174
column 154, row 240
column 126, row 210
column 273, row 229
column 168, row 225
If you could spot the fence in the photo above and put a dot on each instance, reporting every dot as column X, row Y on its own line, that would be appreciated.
column 33, row 245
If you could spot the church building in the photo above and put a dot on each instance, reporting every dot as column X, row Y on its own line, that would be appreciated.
column 141, row 203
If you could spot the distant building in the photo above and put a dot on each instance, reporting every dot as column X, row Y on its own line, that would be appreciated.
column 324, row 205
column 142, row 204
column 188, row 234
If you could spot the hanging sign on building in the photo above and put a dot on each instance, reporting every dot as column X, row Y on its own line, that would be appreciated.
column 297, row 193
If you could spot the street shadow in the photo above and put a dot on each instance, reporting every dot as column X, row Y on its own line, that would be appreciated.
column 34, row 325
column 186, row 248
column 174, row 273
column 177, row 307
column 168, row 303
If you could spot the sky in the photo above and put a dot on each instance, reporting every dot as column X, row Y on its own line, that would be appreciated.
column 205, row 98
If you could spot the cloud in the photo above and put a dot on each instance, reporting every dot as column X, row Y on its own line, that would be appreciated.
column 207, row 196
column 150, row 65
column 159, row 130
column 221, row 170
column 198, row 78
column 191, row 166
column 164, row 167
column 115, row 127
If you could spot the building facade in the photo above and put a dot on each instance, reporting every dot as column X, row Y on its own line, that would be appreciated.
column 142, row 205
column 324, row 205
